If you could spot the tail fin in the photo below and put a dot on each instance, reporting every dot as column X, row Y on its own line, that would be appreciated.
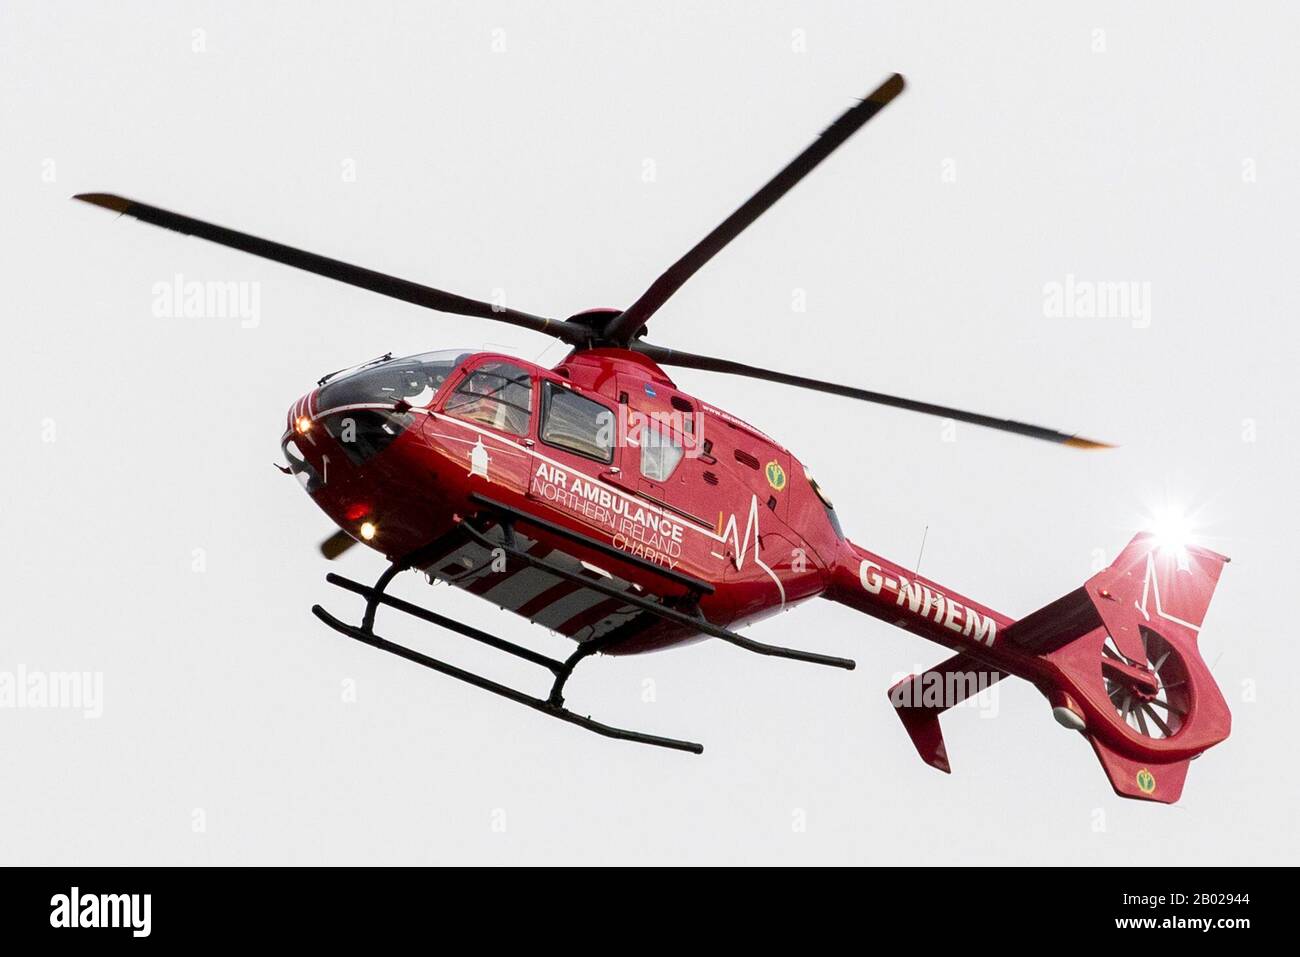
column 1121, row 655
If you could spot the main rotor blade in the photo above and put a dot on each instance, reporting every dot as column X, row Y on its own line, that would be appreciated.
column 407, row 291
column 686, row 360
column 624, row 327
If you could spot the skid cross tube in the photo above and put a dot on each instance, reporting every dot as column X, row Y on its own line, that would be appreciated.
column 696, row 620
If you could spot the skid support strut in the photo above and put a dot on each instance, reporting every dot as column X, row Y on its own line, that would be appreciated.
column 685, row 610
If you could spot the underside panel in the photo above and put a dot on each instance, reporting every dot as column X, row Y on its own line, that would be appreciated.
column 555, row 603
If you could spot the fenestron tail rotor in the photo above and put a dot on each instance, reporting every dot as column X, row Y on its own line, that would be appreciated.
column 1156, row 703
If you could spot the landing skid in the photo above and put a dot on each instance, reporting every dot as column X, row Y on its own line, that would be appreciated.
column 553, row 704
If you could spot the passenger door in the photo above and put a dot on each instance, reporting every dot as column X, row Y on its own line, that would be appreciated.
column 577, row 443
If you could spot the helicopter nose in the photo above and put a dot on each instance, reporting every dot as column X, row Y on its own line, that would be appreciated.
column 364, row 467
column 317, row 456
column 327, row 451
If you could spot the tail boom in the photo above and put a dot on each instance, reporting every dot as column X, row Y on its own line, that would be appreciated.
column 878, row 587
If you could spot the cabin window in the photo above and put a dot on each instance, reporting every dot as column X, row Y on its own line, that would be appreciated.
column 577, row 424
column 496, row 394
column 660, row 453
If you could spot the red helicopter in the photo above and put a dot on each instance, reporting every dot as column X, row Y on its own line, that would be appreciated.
column 599, row 500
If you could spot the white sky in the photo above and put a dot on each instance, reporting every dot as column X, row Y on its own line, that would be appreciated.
column 1168, row 158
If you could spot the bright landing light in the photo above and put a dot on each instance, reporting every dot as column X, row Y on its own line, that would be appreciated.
column 368, row 530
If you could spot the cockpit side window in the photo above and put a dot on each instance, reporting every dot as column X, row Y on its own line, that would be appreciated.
column 496, row 394
column 577, row 424
column 366, row 408
column 414, row 380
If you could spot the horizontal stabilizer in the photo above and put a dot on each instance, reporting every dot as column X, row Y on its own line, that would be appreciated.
column 922, row 726
column 920, row 699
